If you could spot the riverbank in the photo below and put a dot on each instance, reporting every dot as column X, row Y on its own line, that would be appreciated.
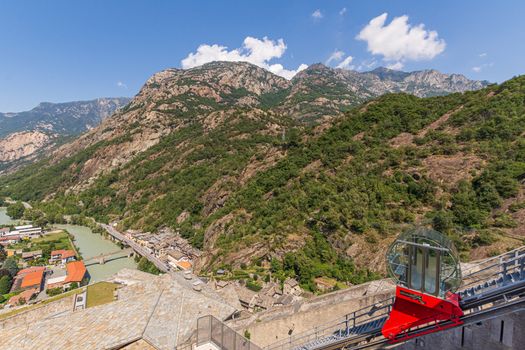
column 91, row 245
column 5, row 219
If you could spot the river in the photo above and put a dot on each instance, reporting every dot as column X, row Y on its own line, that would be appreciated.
column 6, row 220
column 90, row 244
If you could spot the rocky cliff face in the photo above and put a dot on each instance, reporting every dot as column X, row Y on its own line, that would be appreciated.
column 24, row 134
column 320, row 90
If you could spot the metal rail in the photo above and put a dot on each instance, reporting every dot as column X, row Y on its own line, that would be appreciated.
column 468, row 319
column 495, row 279
column 353, row 323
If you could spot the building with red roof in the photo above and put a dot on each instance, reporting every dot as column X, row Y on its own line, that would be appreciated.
column 62, row 255
column 33, row 280
column 76, row 272
column 26, row 295
column 7, row 240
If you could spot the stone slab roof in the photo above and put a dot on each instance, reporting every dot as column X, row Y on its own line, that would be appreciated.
column 162, row 310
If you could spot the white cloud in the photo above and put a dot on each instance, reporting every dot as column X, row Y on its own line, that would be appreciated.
column 345, row 64
column 479, row 68
column 395, row 66
column 399, row 41
column 317, row 14
column 484, row 54
column 253, row 50
column 336, row 56
column 121, row 85
column 342, row 11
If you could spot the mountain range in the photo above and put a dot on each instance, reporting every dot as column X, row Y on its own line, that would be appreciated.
column 25, row 134
column 312, row 177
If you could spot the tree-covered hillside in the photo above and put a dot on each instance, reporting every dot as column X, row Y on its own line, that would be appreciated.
column 250, row 186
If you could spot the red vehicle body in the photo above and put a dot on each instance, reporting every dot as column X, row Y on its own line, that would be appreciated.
column 413, row 308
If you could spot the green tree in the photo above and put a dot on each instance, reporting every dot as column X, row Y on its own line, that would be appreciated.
column 147, row 266
column 11, row 266
column 3, row 254
column 5, row 284
column 16, row 210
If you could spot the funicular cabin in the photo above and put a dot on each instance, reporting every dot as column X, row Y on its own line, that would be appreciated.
column 425, row 265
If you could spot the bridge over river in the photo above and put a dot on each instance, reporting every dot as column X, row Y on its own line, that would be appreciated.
column 106, row 257
column 137, row 248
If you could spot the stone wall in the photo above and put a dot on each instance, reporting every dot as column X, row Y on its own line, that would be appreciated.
column 59, row 307
column 500, row 333
column 279, row 323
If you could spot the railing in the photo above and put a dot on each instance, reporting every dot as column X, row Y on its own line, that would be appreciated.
column 337, row 327
column 499, row 273
column 210, row 329
column 483, row 265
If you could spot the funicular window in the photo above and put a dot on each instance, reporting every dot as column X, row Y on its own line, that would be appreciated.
column 425, row 260
column 431, row 270
column 416, row 267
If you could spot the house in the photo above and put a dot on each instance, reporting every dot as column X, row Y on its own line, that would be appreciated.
column 220, row 284
column 284, row 300
column 26, row 295
column 13, row 252
column 324, row 284
column 32, row 277
column 76, row 272
column 32, row 255
column 55, row 282
column 179, row 260
column 28, row 231
column 291, row 286
column 62, row 256
column 9, row 239
column 4, row 231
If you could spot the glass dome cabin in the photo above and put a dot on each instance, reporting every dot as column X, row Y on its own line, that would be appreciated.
column 424, row 260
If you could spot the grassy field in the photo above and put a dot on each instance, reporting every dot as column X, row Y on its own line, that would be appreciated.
column 47, row 243
column 100, row 293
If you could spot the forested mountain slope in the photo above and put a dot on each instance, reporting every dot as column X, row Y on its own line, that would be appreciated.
column 251, row 184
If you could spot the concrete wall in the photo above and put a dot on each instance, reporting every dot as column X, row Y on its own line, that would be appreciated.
column 501, row 333
column 279, row 323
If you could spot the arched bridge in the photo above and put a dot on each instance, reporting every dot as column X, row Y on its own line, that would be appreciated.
column 104, row 258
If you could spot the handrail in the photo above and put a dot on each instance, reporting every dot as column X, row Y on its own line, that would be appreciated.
column 494, row 258
column 506, row 264
column 350, row 320
column 508, row 268
column 211, row 329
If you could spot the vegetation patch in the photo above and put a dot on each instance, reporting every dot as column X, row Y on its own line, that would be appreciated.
column 100, row 293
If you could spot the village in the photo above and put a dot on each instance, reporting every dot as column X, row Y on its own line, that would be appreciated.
column 238, row 287
column 38, row 264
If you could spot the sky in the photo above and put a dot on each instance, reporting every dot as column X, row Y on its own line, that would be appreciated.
column 58, row 51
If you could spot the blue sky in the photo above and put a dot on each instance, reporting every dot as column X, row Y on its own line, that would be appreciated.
column 61, row 51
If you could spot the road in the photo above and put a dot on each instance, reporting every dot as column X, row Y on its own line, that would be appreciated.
column 136, row 247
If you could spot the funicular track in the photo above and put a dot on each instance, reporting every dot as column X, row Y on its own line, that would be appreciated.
column 491, row 287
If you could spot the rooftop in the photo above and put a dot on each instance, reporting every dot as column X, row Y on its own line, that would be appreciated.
column 185, row 265
column 33, row 279
column 161, row 310
column 64, row 253
column 31, row 269
column 76, row 271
